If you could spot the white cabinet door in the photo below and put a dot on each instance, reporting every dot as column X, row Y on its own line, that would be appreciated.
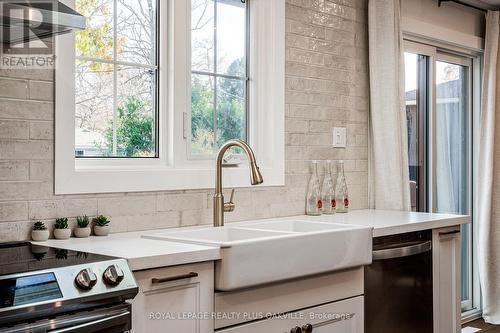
column 339, row 317
column 447, row 279
column 174, row 299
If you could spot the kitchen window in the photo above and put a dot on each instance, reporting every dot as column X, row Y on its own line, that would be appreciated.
column 116, row 79
column 147, row 94
column 441, row 95
column 219, row 74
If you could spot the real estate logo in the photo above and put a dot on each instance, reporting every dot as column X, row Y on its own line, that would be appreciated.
column 23, row 34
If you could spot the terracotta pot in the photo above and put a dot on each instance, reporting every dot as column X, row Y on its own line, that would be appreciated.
column 62, row 233
column 39, row 235
column 101, row 231
column 82, row 232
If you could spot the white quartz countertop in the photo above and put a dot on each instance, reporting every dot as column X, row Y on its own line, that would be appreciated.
column 386, row 222
column 143, row 253
column 140, row 253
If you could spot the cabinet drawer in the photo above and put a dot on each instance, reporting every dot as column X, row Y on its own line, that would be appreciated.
column 172, row 299
column 162, row 278
column 289, row 296
column 345, row 316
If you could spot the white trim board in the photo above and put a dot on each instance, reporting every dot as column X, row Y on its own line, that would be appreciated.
column 426, row 30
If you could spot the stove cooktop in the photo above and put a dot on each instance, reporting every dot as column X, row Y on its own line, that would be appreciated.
column 37, row 282
column 26, row 257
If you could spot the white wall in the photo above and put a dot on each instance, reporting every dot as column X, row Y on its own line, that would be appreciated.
column 451, row 22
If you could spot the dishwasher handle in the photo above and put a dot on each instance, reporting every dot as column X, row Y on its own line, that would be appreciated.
column 400, row 252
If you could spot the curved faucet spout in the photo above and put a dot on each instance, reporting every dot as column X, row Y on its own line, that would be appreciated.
column 255, row 176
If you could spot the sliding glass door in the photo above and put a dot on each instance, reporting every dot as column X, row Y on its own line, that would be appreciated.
column 453, row 152
column 439, row 106
column 452, row 138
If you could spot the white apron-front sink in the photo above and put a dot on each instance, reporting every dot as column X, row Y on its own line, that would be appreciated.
column 263, row 252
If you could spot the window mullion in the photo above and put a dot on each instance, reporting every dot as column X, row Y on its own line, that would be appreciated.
column 115, row 79
column 116, row 62
column 215, row 78
column 225, row 76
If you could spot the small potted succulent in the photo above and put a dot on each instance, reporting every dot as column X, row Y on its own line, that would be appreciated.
column 40, row 233
column 101, row 225
column 82, row 227
column 61, row 230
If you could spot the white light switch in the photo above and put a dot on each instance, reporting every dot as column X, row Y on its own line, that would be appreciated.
column 339, row 137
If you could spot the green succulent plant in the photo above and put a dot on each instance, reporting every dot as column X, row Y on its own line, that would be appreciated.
column 83, row 221
column 39, row 225
column 61, row 223
column 101, row 221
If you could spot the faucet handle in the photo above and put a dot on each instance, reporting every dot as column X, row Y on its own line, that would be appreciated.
column 230, row 206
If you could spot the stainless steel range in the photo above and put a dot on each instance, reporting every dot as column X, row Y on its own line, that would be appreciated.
column 45, row 289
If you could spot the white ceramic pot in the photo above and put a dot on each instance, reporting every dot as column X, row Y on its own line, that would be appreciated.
column 62, row 233
column 82, row 232
column 101, row 231
column 39, row 235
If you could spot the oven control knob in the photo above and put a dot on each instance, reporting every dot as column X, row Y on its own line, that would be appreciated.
column 113, row 275
column 85, row 279
column 296, row 329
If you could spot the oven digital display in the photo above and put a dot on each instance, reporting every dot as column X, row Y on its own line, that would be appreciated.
column 28, row 289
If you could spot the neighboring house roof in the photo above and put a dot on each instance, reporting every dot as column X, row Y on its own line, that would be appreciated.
column 87, row 139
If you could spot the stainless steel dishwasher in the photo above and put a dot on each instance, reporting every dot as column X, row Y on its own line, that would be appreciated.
column 398, row 284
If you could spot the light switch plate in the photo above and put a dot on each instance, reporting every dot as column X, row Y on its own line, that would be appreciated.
column 339, row 137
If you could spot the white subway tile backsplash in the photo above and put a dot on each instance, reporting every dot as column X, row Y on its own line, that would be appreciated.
column 13, row 88
column 15, row 109
column 41, row 130
column 126, row 205
column 14, row 170
column 13, row 211
column 25, row 190
column 15, row 231
column 41, row 90
column 167, row 202
column 27, row 150
column 71, row 208
column 13, row 129
column 41, row 170
column 304, row 29
column 196, row 217
column 28, row 74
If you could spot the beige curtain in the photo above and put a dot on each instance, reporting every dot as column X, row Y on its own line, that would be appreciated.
column 488, row 186
column 389, row 175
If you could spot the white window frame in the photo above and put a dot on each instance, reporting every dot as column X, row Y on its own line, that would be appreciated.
column 172, row 170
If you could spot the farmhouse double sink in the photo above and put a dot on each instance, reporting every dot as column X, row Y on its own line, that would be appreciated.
column 259, row 252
